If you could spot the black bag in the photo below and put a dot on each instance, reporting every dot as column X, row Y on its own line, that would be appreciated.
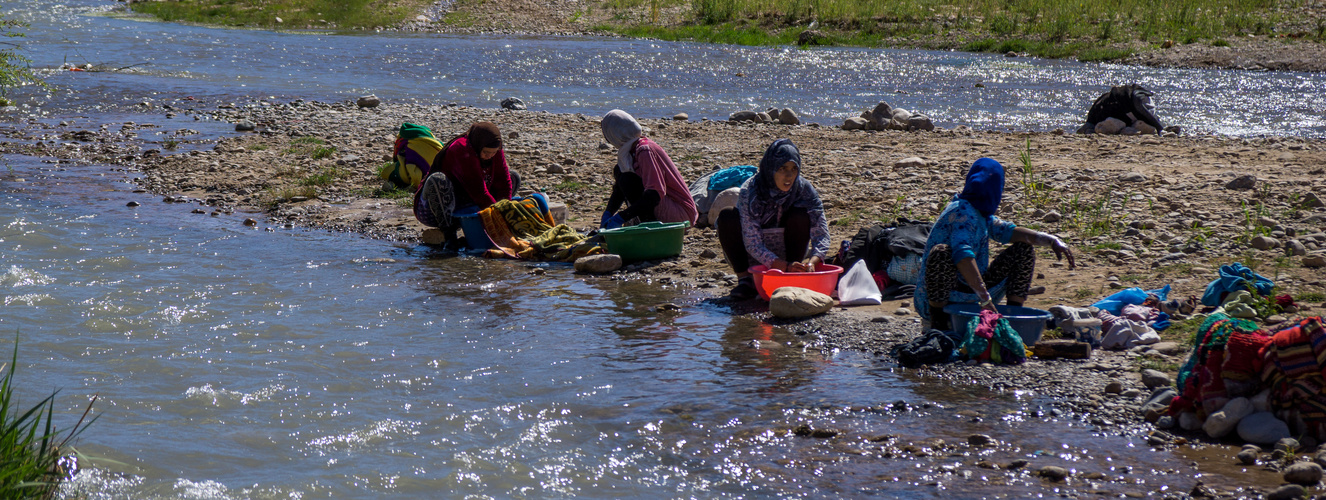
column 877, row 244
column 931, row 347
column 1128, row 103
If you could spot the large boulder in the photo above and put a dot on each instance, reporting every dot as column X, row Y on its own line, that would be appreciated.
column 1110, row 126
column 598, row 264
column 1262, row 428
column 788, row 117
column 368, row 101
column 794, row 302
column 1223, row 422
column 1145, row 128
column 854, row 123
column 882, row 114
column 513, row 103
column 744, row 116
column 920, row 121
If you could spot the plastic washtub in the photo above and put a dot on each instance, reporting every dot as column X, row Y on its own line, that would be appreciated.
column 1027, row 321
column 475, row 236
column 645, row 241
column 824, row 280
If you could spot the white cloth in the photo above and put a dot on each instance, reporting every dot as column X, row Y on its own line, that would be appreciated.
column 621, row 130
column 1126, row 334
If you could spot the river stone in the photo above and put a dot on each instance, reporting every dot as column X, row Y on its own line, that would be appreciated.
column 744, row 116
column 788, row 117
column 910, row 162
column 1287, row 492
column 811, row 37
column 1262, row 401
column 1156, row 405
column 1087, row 128
column 1242, row 182
column 1304, row 473
column 1052, row 216
column 1246, row 457
column 980, row 440
column 1053, row 473
column 763, row 117
column 1320, row 457
column 1110, row 126
column 244, row 126
column 1168, row 348
column 1311, row 200
column 900, row 117
column 513, row 103
column 1154, row 378
column 681, row 117
column 1265, row 243
column 1288, row 445
column 1314, row 260
column 1221, row 423
column 1133, row 177
column 1189, row 421
column 854, row 123
column 1165, row 422
column 598, row 264
column 1262, row 428
column 1113, row 387
column 920, row 121
column 796, row 302
column 368, row 101
column 1295, row 248
column 882, row 114
column 556, row 168
column 1128, row 131
column 1145, row 128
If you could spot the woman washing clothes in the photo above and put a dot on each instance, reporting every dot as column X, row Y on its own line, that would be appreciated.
column 778, row 221
column 645, row 179
column 956, row 266
column 473, row 176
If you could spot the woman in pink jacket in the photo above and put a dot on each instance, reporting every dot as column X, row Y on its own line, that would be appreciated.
column 645, row 179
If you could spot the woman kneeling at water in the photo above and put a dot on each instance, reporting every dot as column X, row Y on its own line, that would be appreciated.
column 474, row 175
column 778, row 208
column 645, row 179
column 956, row 266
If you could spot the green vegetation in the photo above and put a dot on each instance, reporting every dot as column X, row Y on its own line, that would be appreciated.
column 313, row 147
column 1083, row 293
column 402, row 197
column 293, row 14
column 1311, row 297
column 569, row 186
column 14, row 69
column 31, row 447
column 170, row 143
column 325, row 177
column 851, row 218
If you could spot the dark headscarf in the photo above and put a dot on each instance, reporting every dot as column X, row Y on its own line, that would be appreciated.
column 985, row 186
column 769, row 201
column 483, row 135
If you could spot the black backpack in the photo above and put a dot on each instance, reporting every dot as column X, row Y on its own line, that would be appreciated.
column 878, row 244
column 930, row 347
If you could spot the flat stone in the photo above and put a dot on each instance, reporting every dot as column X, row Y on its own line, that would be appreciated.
column 1263, row 428
column 598, row 264
column 1053, row 472
column 1314, row 260
column 911, row 162
column 1304, row 473
column 681, row 117
column 1155, row 378
column 794, row 302
column 1242, row 182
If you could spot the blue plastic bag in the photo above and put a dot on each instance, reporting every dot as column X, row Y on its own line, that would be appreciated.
column 1130, row 296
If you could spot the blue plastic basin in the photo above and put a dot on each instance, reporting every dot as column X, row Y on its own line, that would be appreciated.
column 1029, row 322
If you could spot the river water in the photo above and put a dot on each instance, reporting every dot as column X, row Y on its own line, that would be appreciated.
column 234, row 362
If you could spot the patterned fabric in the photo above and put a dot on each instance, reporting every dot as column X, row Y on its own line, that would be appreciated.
column 435, row 203
column 412, row 156
column 520, row 231
column 1293, row 369
column 967, row 233
column 1201, row 381
column 990, row 338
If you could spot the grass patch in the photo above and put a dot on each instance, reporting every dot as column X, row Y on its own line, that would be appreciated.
column 277, row 196
column 1107, row 245
column 325, row 177
column 31, row 447
column 1158, row 365
column 294, row 14
column 313, row 147
column 851, row 218
column 1311, row 297
column 1184, row 331
column 402, row 197
column 1083, row 293
column 308, row 139
column 569, row 186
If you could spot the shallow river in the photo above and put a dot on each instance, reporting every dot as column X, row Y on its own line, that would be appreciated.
column 233, row 362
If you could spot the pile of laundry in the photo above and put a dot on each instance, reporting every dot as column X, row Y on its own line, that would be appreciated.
column 1127, row 319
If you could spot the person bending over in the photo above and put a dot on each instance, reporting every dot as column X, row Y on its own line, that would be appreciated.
column 644, row 179
column 472, row 174
column 956, row 265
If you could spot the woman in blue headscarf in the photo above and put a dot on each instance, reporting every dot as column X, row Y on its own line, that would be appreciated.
column 956, row 266
column 778, row 221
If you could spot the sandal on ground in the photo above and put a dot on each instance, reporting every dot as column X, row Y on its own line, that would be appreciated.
column 745, row 289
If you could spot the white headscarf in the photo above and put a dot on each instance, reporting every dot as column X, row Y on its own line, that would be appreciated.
column 621, row 130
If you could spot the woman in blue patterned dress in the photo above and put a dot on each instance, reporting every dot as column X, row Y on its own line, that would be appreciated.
column 956, row 266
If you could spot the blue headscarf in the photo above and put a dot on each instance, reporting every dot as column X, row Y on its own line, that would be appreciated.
column 985, row 186
column 768, row 201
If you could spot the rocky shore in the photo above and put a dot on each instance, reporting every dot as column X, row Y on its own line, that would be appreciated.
column 1138, row 210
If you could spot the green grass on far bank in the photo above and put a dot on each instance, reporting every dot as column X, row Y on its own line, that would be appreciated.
column 294, row 14
column 1102, row 30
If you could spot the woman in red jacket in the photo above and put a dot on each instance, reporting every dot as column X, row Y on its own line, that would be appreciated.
column 474, row 176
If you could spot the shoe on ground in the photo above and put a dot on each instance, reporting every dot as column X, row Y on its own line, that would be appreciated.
column 745, row 289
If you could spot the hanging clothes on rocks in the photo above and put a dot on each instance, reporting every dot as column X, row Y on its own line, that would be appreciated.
column 1294, row 361
column 1228, row 350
